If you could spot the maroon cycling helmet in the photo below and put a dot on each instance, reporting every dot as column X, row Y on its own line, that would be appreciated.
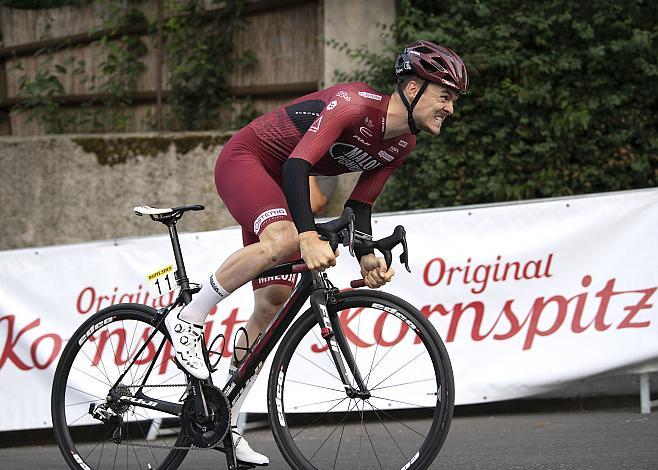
column 433, row 63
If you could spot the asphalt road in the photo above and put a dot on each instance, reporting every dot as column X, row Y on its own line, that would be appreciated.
column 548, row 439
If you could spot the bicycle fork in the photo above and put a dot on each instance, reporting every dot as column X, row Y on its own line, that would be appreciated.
column 332, row 333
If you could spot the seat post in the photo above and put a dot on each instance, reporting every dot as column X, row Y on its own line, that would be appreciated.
column 181, row 275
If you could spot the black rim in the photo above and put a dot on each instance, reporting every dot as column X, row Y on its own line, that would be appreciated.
column 348, row 432
column 83, row 378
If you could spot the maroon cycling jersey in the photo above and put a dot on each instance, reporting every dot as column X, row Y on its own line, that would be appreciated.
column 337, row 130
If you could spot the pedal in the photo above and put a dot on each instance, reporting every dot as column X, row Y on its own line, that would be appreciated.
column 246, row 466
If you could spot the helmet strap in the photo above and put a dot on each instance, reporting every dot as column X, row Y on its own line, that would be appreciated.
column 410, row 107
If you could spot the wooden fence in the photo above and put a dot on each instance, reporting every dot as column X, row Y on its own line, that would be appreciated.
column 286, row 36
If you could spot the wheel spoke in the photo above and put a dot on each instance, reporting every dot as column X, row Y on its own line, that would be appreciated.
column 86, row 393
column 415, row 405
column 130, row 346
column 102, row 441
column 91, row 364
column 116, row 452
column 396, row 420
column 367, row 379
column 317, row 386
column 403, row 384
column 319, row 367
column 318, row 403
column 370, row 439
column 389, row 432
column 109, row 384
column 80, row 403
column 349, row 410
column 319, row 418
column 398, row 370
column 100, row 457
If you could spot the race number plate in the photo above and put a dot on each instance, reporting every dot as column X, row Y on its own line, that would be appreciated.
column 162, row 281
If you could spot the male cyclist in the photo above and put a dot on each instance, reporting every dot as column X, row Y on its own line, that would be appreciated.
column 262, row 175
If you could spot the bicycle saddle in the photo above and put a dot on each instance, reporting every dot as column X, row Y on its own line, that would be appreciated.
column 148, row 210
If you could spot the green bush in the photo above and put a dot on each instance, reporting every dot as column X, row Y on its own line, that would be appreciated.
column 563, row 100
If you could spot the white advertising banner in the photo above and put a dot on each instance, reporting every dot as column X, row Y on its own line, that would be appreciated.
column 527, row 297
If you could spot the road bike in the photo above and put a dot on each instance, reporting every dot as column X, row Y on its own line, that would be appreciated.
column 344, row 390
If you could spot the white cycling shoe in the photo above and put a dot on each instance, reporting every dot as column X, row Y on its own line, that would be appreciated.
column 186, row 337
column 244, row 453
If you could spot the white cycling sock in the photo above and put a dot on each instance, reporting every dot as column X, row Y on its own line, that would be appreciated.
column 235, row 410
column 211, row 293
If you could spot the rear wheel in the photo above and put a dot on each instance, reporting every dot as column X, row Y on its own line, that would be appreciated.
column 405, row 418
column 93, row 432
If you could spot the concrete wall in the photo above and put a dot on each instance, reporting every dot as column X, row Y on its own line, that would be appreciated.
column 69, row 189
column 354, row 23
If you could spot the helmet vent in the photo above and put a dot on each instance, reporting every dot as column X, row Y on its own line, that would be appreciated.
column 423, row 50
column 429, row 68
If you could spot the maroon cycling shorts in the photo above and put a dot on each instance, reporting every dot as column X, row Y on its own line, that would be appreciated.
column 251, row 194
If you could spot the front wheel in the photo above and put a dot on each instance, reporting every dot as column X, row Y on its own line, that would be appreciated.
column 402, row 420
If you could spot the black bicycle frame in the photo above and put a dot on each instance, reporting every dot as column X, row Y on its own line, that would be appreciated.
column 312, row 285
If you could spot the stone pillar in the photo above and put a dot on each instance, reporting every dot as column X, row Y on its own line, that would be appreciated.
column 353, row 22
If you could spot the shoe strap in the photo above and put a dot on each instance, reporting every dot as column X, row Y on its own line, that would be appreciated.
column 234, row 430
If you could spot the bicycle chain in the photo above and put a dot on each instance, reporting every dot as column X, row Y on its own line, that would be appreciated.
column 153, row 386
column 156, row 446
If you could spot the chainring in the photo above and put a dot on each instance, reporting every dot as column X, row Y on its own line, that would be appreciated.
column 212, row 432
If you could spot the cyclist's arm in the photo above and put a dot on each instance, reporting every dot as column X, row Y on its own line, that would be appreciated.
column 307, row 153
column 369, row 186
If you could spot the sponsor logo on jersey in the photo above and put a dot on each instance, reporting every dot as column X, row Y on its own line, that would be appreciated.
column 402, row 143
column 369, row 123
column 365, row 132
column 370, row 96
column 344, row 95
column 360, row 139
column 267, row 215
column 282, row 277
column 332, row 105
column 386, row 156
column 383, row 125
column 352, row 157
column 316, row 125
column 394, row 149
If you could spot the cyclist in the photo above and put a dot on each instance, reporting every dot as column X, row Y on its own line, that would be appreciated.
column 262, row 175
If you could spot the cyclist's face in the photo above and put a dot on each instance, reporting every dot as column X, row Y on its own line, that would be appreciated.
column 436, row 104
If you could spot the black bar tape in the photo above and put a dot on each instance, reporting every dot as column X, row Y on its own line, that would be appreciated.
column 298, row 193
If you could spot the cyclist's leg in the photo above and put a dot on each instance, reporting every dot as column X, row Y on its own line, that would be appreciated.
column 278, row 243
column 269, row 295
column 256, row 201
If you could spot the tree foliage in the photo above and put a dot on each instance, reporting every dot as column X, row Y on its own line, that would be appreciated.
column 563, row 100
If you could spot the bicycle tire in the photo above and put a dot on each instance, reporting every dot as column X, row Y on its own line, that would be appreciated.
column 72, row 359
column 282, row 419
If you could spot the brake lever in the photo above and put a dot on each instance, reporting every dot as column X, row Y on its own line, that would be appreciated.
column 350, row 235
column 404, row 257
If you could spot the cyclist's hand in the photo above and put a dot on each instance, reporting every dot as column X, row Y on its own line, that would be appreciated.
column 316, row 253
column 373, row 270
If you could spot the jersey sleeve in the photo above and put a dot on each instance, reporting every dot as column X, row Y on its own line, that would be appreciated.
column 337, row 115
column 372, row 182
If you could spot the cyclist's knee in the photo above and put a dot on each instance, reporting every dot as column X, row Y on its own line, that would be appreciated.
column 279, row 241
